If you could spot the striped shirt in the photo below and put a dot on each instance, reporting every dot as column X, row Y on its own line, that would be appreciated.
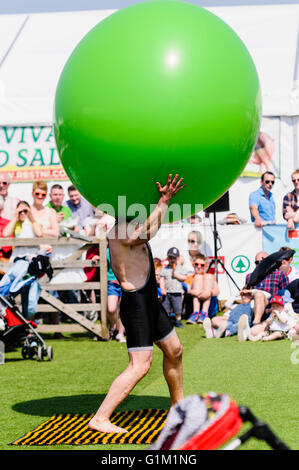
column 273, row 283
column 289, row 200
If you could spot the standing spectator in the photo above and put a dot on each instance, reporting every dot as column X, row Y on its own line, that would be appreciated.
column 23, row 224
column 273, row 284
column 196, row 246
column 10, row 203
column 56, row 202
column 204, row 287
column 290, row 207
column 80, row 208
column 5, row 251
column 99, row 221
column 286, row 267
column 261, row 202
column 42, row 214
column 171, row 278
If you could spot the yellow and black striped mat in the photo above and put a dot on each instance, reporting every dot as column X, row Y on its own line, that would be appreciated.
column 143, row 427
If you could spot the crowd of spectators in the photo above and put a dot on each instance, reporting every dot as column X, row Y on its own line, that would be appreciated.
column 186, row 287
column 262, row 205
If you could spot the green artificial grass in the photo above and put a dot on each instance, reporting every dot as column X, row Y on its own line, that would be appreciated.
column 262, row 376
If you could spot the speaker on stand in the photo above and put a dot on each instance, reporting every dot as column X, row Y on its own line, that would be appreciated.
column 221, row 205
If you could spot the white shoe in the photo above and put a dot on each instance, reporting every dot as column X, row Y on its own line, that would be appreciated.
column 220, row 331
column 120, row 338
column 207, row 326
column 243, row 328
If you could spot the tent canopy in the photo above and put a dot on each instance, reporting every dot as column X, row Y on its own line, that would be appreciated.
column 35, row 47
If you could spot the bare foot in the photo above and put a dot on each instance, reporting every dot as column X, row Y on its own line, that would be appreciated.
column 105, row 426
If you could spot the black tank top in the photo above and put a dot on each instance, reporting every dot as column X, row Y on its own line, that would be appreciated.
column 146, row 296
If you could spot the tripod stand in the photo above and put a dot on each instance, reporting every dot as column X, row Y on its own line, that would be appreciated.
column 216, row 260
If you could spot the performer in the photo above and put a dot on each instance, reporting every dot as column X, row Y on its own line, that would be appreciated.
column 144, row 319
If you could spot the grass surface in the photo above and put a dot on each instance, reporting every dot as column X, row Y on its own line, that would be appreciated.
column 262, row 376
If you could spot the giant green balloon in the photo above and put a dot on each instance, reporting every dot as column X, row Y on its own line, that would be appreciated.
column 156, row 88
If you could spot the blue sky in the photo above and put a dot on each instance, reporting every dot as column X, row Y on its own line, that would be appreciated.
column 37, row 6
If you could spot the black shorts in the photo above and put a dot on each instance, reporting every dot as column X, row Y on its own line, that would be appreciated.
column 146, row 321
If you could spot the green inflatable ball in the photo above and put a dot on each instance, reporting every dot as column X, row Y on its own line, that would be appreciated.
column 157, row 88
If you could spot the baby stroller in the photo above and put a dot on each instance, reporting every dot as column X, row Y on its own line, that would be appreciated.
column 16, row 328
column 207, row 422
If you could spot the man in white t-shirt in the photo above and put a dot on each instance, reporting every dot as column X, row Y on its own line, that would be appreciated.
column 286, row 267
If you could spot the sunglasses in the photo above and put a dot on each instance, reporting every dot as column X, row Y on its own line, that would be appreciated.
column 202, row 265
column 192, row 241
column 295, row 180
column 4, row 183
column 246, row 293
column 38, row 194
column 24, row 211
column 257, row 262
column 269, row 181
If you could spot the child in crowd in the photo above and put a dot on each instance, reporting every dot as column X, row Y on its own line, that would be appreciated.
column 158, row 267
column 227, row 324
column 171, row 279
column 203, row 288
column 280, row 322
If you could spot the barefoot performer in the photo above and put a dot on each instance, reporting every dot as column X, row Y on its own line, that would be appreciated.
column 144, row 319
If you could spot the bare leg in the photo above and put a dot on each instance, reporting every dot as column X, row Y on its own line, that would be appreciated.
column 172, row 366
column 272, row 336
column 260, row 303
column 139, row 365
column 112, row 309
column 217, row 321
column 196, row 304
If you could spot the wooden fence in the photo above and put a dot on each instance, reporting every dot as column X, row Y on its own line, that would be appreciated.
column 73, row 261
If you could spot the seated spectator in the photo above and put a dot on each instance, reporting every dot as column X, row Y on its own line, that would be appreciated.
column 80, row 208
column 227, row 324
column 232, row 219
column 290, row 207
column 293, row 290
column 171, row 278
column 203, row 289
column 280, row 321
column 45, row 216
column 56, row 202
column 273, row 284
column 286, row 267
column 261, row 202
column 10, row 203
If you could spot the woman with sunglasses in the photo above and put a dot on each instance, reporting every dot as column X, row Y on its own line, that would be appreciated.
column 23, row 223
column 42, row 214
column 203, row 288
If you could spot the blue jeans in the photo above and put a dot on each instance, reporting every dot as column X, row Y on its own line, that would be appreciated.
column 235, row 314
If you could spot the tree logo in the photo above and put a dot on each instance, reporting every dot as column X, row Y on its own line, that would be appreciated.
column 240, row 264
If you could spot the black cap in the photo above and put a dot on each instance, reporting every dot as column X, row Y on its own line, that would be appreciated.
column 173, row 252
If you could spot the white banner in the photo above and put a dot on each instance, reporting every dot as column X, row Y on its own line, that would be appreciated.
column 237, row 245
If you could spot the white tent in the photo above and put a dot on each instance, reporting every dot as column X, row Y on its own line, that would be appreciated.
column 34, row 48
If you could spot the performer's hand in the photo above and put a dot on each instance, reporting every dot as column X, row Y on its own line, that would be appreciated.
column 172, row 187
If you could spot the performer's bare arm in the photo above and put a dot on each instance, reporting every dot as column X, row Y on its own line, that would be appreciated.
column 148, row 230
